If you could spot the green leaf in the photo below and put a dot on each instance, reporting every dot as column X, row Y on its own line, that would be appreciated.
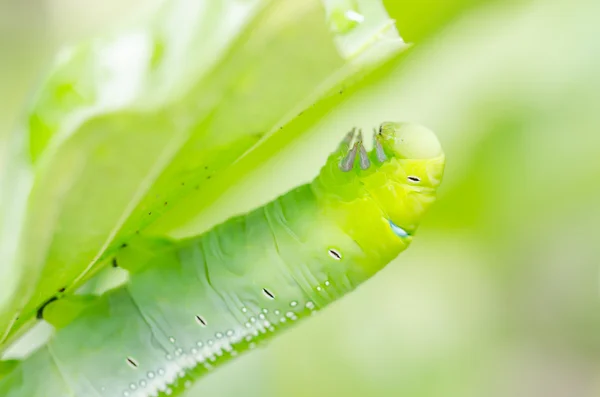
column 136, row 131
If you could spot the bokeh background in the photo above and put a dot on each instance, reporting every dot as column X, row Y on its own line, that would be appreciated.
column 499, row 294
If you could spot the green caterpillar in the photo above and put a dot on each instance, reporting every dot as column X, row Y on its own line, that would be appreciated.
column 193, row 304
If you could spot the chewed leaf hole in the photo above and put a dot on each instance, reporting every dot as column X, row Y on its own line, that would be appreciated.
column 268, row 293
column 132, row 363
column 201, row 321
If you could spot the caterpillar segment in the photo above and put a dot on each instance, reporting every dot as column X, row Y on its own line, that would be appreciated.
column 191, row 305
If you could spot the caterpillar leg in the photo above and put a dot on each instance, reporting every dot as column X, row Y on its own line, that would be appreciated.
column 380, row 153
column 347, row 162
column 364, row 161
column 345, row 143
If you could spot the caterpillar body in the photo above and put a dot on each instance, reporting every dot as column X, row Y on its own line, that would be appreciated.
column 192, row 305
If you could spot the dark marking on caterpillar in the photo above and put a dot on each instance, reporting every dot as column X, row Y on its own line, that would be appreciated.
column 124, row 245
column 62, row 289
column 201, row 320
column 268, row 293
column 114, row 263
column 40, row 312
column 414, row 179
column 334, row 254
column 132, row 362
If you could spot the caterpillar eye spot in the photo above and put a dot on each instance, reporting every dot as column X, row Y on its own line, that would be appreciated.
column 201, row 321
column 334, row 254
column 414, row 179
column 268, row 293
column 132, row 363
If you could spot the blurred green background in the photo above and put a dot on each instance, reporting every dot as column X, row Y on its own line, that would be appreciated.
column 499, row 294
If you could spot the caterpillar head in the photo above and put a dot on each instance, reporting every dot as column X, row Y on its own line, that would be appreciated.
column 395, row 181
column 408, row 169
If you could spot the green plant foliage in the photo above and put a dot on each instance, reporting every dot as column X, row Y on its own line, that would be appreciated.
column 124, row 127
column 499, row 294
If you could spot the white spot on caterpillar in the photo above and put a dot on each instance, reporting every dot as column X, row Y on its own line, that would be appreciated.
column 171, row 339
column 327, row 283
column 334, row 254
column 293, row 303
